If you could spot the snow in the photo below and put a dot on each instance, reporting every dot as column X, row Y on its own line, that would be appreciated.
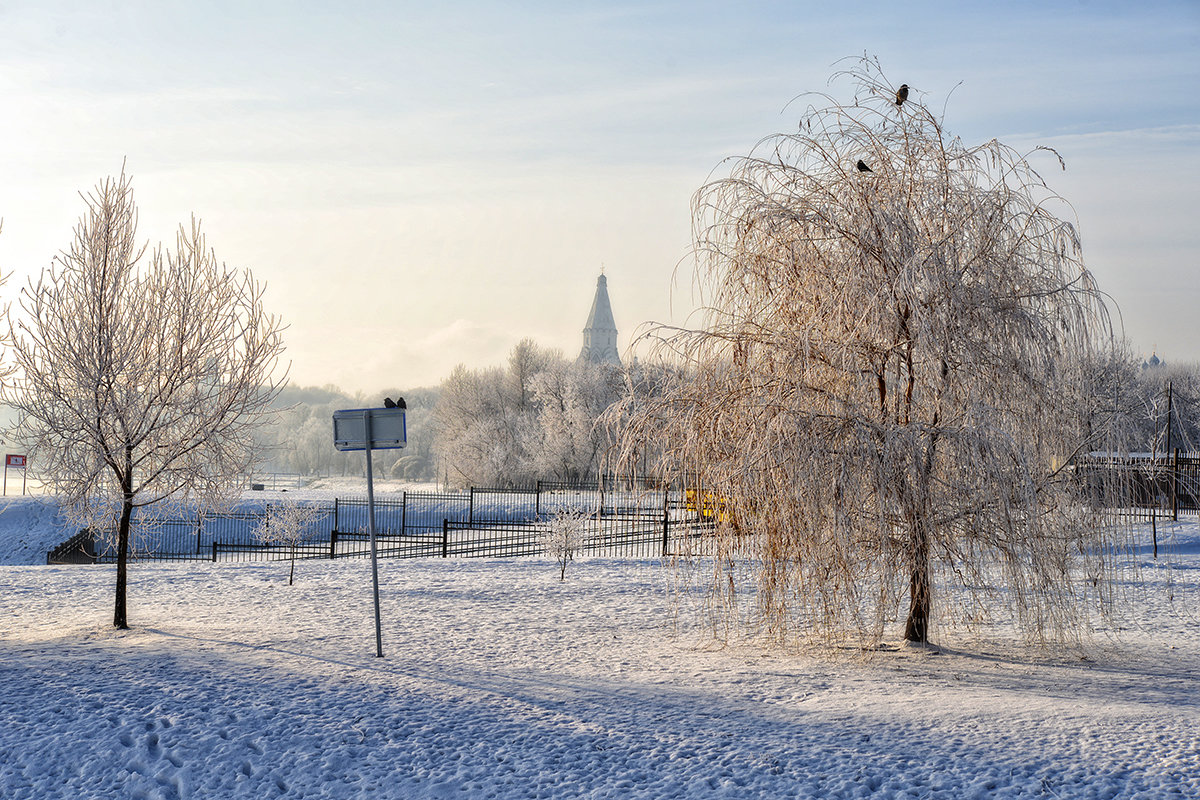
column 500, row 681
column 30, row 528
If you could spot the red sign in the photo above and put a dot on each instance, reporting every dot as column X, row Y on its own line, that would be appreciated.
column 14, row 461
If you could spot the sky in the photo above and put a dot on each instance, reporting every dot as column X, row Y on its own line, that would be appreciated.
column 423, row 185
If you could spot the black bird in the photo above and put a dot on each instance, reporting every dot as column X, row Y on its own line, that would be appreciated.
column 902, row 94
column 389, row 403
column 401, row 404
column 862, row 166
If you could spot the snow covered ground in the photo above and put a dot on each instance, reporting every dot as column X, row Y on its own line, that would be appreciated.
column 499, row 681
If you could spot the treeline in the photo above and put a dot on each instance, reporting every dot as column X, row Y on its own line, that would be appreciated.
column 534, row 418
column 1141, row 394
column 300, row 439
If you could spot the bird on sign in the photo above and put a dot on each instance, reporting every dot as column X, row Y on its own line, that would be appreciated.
column 389, row 402
column 862, row 166
column 401, row 404
column 902, row 94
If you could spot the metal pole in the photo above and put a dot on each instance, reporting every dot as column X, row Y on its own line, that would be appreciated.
column 1175, row 486
column 1170, row 481
column 371, row 528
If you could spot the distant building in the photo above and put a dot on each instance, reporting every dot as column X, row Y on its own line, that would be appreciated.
column 600, row 334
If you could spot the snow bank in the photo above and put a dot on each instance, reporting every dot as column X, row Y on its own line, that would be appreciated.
column 29, row 528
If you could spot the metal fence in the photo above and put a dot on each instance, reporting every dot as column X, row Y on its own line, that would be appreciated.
column 205, row 537
column 629, row 521
column 275, row 481
column 628, row 535
column 413, row 513
column 1143, row 486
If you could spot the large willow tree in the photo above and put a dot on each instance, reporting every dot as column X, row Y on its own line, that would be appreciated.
column 885, row 385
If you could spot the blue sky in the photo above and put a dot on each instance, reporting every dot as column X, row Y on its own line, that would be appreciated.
column 421, row 186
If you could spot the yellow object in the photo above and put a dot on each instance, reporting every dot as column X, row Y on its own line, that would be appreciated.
column 709, row 505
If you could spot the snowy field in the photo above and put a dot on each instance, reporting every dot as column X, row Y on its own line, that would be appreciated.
column 499, row 681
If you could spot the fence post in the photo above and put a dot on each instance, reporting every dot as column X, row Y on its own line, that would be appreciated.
column 666, row 520
column 214, row 550
column 403, row 512
column 337, row 523
column 537, row 499
column 333, row 537
column 445, row 538
column 1175, row 487
column 471, row 508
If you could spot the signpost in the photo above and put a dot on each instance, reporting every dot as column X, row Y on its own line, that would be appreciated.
column 16, row 462
column 370, row 429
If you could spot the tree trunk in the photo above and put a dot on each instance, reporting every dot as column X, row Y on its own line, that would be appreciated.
column 125, row 479
column 119, row 617
column 916, row 628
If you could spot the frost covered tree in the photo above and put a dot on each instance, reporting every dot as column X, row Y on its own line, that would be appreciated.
column 570, row 398
column 140, row 382
column 564, row 536
column 534, row 419
column 1156, row 390
column 290, row 524
column 885, row 386
column 482, row 432
column 6, row 368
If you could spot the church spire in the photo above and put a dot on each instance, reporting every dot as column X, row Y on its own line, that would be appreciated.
column 600, row 334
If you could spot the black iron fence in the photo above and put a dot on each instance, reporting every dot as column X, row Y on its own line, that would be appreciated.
column 621, row 521
column 1143, row 485
column 79, row 549
column 413, row 513
column 633, row 535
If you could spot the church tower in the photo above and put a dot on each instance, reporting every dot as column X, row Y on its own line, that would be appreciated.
column 600, row 335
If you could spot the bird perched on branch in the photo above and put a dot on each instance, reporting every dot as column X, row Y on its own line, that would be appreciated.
column 862, row 166
column 901, row 94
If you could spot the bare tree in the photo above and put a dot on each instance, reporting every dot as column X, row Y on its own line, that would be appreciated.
column 481, row 433
column 885, row 387
column 290, row 524
column 6, row 368
column 564, row 536
column 141, row 384
column 535, row 419
column 486, row 421
column 570, row 397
